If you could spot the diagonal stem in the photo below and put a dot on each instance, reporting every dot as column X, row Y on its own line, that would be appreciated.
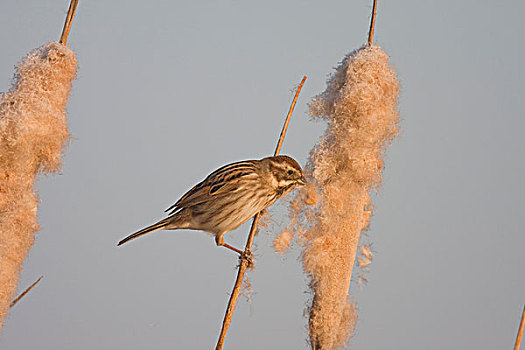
column 243, row 265
column 24, row 293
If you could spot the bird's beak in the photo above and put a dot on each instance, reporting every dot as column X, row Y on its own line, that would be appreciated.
column 302, row 181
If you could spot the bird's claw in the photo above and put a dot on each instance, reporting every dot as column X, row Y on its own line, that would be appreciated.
column 248, row 256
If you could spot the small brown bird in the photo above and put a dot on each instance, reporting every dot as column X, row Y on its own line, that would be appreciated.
column 230, row 196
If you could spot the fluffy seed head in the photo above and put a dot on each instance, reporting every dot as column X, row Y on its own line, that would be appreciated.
column 360, row 107
column 33, row 131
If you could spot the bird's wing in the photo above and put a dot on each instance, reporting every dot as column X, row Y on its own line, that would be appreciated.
column 221, row 181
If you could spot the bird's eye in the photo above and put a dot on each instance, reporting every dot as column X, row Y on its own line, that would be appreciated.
column 290, row 172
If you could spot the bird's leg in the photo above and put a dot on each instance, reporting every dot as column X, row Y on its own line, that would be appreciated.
column 226, row 245
column 219, row 240
column 243, row 255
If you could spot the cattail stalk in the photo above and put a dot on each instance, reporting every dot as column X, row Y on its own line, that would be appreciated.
column 372, row 24
column 243, row 265
column 33, row 132
column 68, row 22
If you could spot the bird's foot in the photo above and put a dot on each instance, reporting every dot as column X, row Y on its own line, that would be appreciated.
column 243, row 255
column 248, row 256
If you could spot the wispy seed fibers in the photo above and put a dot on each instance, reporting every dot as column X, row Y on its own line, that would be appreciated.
column 33, row 132
column 360, row 106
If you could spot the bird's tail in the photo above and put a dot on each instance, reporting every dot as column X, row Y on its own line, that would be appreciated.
column 158, row 226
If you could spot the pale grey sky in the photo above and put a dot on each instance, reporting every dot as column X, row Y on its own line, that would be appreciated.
column 169, row 90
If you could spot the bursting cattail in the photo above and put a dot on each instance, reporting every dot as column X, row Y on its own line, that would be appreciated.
column 360, row 107
column 33, row 132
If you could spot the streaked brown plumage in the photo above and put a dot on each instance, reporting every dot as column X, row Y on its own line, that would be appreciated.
column 230, row 196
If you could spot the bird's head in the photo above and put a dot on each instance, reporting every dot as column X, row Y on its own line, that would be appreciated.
column 284, row 172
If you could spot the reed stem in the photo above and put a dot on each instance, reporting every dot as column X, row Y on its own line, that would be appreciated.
column 243, row 265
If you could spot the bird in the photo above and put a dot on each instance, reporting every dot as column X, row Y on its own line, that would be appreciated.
column 230, row 196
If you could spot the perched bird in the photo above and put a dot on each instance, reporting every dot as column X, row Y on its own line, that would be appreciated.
column 230, row 196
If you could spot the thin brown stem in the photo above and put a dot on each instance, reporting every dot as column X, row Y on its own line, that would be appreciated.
column 24, row 293
column 243, row 265
column 520, row 330
column 372, row 24
column 69, row 21
column 287, row 121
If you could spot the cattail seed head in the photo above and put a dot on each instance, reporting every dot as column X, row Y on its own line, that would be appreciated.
column 33, row 132
column 360, row 107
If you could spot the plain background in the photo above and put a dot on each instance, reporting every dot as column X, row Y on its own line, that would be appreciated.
column 167, row 91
